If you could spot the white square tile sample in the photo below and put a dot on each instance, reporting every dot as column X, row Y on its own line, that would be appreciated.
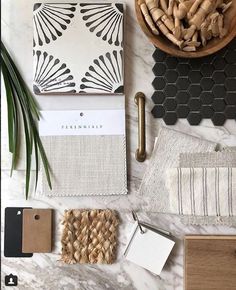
column 78, row 48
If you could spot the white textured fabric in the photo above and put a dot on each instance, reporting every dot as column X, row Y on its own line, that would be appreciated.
column 229, row 149
column 169, row 145
column 202, row 191
column 209, row 159
column 86, row 165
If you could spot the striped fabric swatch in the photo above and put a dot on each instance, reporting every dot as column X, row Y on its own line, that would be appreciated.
column 202, row 191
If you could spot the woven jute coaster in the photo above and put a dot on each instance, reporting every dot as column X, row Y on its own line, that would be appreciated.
column 89, row 236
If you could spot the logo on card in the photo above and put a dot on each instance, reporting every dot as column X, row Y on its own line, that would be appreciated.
column 80, row 126
column 11, row 280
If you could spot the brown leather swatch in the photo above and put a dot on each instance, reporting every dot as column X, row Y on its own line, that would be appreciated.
column 37, row 231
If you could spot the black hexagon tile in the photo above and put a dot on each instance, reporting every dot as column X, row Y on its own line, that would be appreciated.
column 230, row 98
column 207, row 111
column 170, row 104
column 206, row 98
column 195, row 89
column 218, row 119
column 194, row 118
column 182, row 97
column 171, row 76
column 230, row 112
column 159, row 69
column 158, row 111
column 158, row 97
column 170, row 118
column 182, row 111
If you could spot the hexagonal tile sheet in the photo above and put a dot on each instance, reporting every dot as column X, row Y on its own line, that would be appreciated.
column 195, row 88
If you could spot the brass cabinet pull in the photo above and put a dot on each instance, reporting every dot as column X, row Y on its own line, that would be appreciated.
column 141, row 151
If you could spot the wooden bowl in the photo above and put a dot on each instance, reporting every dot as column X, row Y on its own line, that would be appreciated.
column 213, row 45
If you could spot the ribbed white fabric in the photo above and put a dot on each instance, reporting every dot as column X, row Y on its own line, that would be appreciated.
column 86, row 165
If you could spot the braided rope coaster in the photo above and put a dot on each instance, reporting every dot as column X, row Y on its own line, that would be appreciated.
column 89, row 236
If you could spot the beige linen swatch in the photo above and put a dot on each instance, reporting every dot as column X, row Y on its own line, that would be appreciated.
column 85, row 165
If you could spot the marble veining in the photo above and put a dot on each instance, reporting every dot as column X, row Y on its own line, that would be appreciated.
column 45, row 271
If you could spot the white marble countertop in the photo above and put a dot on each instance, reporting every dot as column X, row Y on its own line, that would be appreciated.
column 44, row 271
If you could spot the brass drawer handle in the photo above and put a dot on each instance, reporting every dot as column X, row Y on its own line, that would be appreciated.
column 141, row 151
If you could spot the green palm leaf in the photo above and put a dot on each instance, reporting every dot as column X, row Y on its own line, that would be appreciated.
column 22, row 107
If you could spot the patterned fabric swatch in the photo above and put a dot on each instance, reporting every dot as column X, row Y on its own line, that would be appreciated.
column 202, row 191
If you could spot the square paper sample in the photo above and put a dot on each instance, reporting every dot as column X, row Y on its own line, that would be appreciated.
column 78, row 48
column 149, row 250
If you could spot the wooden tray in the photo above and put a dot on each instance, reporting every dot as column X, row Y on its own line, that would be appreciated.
column 213, row 46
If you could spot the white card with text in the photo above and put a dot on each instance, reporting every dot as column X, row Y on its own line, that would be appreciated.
column 82, row 122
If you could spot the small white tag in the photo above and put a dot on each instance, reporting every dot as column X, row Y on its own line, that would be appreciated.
column 84, row 122
column 149, row 250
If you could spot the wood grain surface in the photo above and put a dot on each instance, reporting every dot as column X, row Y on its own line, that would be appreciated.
column 210, row 263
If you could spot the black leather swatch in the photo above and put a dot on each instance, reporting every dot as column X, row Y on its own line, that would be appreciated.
column 13, row 233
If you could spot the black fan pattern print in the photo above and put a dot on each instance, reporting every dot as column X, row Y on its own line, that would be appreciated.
column 51, row 75
column 105, row 74
column 106, row 20
column 61, row 30
column 50, row 20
